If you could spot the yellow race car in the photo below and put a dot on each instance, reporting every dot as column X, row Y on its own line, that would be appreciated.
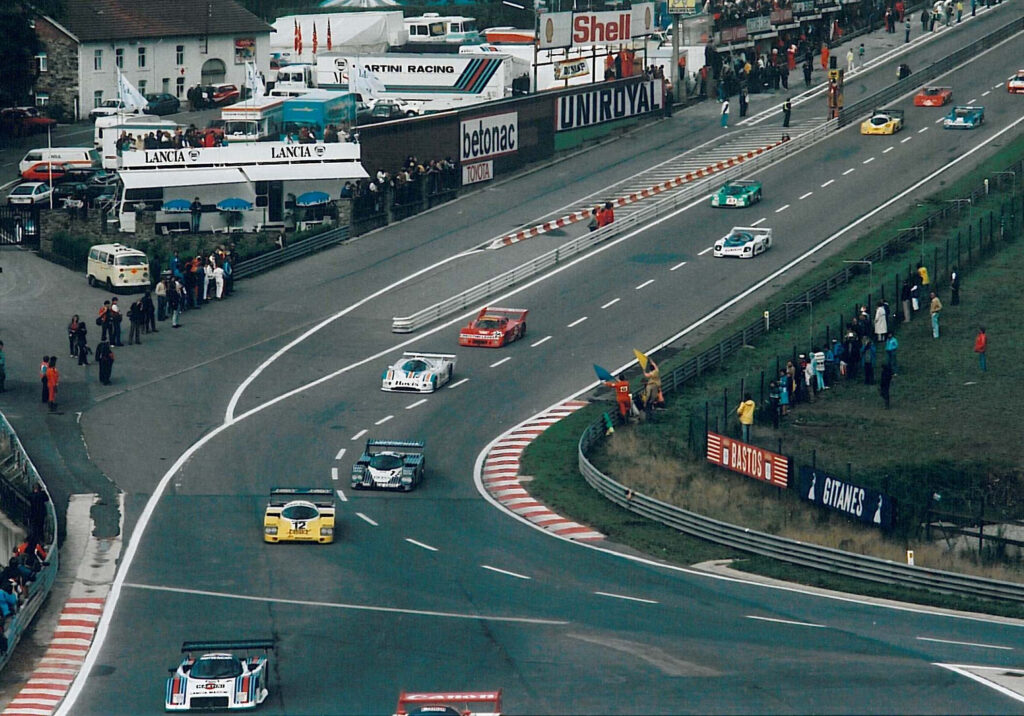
column 883, row 121
column 299, row 514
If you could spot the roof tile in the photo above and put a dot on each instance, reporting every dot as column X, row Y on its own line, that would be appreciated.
column 92, row 20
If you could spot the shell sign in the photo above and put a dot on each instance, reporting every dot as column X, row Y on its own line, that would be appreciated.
column 571, row 29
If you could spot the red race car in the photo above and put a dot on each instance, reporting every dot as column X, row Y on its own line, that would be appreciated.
column 933, row 97
column 1015, row 85
column 45, row 171
column 494, row 327
column 449, row 703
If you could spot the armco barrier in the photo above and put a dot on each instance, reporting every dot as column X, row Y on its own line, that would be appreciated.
column 856, row 110
column 18, row 476
column 806, row 555
column 258, row 264
column 472, row 296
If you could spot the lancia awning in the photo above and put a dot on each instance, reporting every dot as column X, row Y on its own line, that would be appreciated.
column 151, row 178
column 312, row 170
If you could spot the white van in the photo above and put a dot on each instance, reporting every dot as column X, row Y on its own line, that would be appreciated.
column 115, row 267
column 84, row 156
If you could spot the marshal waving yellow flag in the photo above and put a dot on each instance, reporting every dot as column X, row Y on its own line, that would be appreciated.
column 641, row 359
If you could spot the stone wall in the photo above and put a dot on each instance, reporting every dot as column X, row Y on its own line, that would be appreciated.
column 60, row 81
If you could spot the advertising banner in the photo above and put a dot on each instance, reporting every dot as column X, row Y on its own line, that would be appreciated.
column 245, row 50
column 761, row 23
column 803, row 7
column 861, row 503
column 607, row 104
column 487, row 137
column 569, row 29
column 748, row 460
column 782, row 16
column 566, row 69
column 475, row 173
column 684, row 7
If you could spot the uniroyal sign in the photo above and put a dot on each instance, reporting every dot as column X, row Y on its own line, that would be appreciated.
column 569, row 29
column 493, row 135
column 748, row 460
column 607, row 103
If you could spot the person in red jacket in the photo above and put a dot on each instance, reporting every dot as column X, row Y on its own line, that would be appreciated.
column 622, row 395
column 606, row 215
column 52, row 379
column 981, row 347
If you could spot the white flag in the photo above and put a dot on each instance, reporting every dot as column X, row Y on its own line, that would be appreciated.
column 368, row 84
column 254, row 80
column 131, row 98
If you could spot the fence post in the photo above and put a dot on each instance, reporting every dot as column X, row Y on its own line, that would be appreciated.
column 725, row 406
column 761, row 400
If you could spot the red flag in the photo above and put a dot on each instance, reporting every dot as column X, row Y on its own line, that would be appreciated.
column 314, row 38
column 297, row 38
column 329, row 48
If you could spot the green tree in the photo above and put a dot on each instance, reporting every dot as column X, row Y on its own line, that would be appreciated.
column 18, row 48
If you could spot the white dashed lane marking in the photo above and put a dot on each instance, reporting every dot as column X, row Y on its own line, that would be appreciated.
column 759, row 221
column 986, row 93
column 366, row 519
column 341, row 496
column 457, row 383
column 358, row 435
column 648, row 282
column 505, row 571
column 887, row 150
column 678, row 266
column 868, row 160
column 418, row 403
column 334, row 473
column 940, row 120
column 577, row 322
column 904, row 141
column 384, row 419
column 611, row 303
column 506, row 359
column 705, row 250
column 806, row 195
column 341, row 454
column 782, row 208
column 786, row 621
column 849, row 171
column 627, row 598
column 965, row 643
column 545, row 339
column 922, row 129
column 830, row 181
column 423, row 545
column 972, row 100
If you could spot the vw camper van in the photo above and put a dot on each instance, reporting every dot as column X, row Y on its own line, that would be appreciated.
column 117, row 267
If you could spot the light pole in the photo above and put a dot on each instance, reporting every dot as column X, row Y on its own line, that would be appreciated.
column 871, row 271
column 959, row 203
column 1012, row 174
column 810, row 325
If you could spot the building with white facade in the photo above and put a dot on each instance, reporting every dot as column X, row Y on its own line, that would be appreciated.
column 160, row 46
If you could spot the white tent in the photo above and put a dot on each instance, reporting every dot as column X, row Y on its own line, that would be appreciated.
column 364, row 4
column 352, row 33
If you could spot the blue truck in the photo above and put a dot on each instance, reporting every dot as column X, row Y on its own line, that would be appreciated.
column 315, row 110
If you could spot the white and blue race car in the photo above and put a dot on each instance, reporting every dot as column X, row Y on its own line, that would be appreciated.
column 744, row 242
column 964, row 117
column 219, row 679
column 418, row 372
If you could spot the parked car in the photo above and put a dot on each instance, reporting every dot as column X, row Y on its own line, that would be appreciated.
column 51, row 172
column 162, row 103
column 109, row 108
column 30, row 192
column 222, row 95
column 74, row 190
column 23, row 121
column 385, row 110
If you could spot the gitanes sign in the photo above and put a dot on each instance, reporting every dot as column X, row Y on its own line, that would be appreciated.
column 607, row 103
column 493, row 135
column 748, row 460
column 569, row 29
column 860, row 503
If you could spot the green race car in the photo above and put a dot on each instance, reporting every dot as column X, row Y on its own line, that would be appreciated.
column 739, row 192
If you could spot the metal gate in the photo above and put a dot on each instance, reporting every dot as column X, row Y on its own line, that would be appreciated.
column 19, row 225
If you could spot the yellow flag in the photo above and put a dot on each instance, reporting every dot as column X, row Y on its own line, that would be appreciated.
column 641, row 358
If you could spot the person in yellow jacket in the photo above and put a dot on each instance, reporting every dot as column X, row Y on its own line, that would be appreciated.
column 745, row 412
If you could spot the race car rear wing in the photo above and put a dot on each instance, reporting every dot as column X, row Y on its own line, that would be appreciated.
column 753, row 230
column 418, row 354
column 241, row 645
column 374, row 447
column 743, row 182
column 969, row 108
column 893, row 112
column 319, row 496
column 519, row 313
column 458, row 699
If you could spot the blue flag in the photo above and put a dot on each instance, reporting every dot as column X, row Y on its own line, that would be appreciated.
column 602, row 374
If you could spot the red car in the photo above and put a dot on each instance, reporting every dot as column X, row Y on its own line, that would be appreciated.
column 222, row 95
column 449, row 703
column 494, row 327
column 933, row 97
column 45, row 171
column 1015, row 85
column 23, row 121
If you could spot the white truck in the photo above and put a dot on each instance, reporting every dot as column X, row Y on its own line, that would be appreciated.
column 429, row 82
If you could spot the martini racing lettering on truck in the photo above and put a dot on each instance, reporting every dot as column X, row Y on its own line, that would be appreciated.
column 607, row 104
column 487, row 137
column 748, row 460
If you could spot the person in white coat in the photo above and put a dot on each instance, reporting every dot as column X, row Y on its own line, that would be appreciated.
column 218, row 277
column 881, row 323
column 208, row 274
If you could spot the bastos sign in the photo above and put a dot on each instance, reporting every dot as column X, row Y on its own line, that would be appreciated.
column 860, row 503
column 748, row 460
column 606, row 103
column 570, row 29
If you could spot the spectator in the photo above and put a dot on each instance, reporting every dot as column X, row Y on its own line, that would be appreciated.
column 773, row 403
column 891, row 345
column 954, row 287
column 105, row 358
column 52, row 380
column 45, row 391
column 652, row 387
column 881, row 323
column 883, row 384
column 935, row 308
column 981, row 348
column 745, row 412
column 868, row 353
column 134, row 323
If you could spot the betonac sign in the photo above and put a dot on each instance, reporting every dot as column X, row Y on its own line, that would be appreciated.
column 569, row 29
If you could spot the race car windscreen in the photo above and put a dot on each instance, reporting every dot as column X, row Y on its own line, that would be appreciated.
column 299, row 512
column 414, row 366
column 490, row 323
column 386, row 461
column 218, row 667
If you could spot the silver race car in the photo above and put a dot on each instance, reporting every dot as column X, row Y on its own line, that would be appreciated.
column 419, row 372
column 219, row 678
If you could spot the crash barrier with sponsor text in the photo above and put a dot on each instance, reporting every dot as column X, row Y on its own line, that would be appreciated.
column 471, row 297
column 853, row 112
column 17, row 478
column 806, row 555
column 290, row 252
